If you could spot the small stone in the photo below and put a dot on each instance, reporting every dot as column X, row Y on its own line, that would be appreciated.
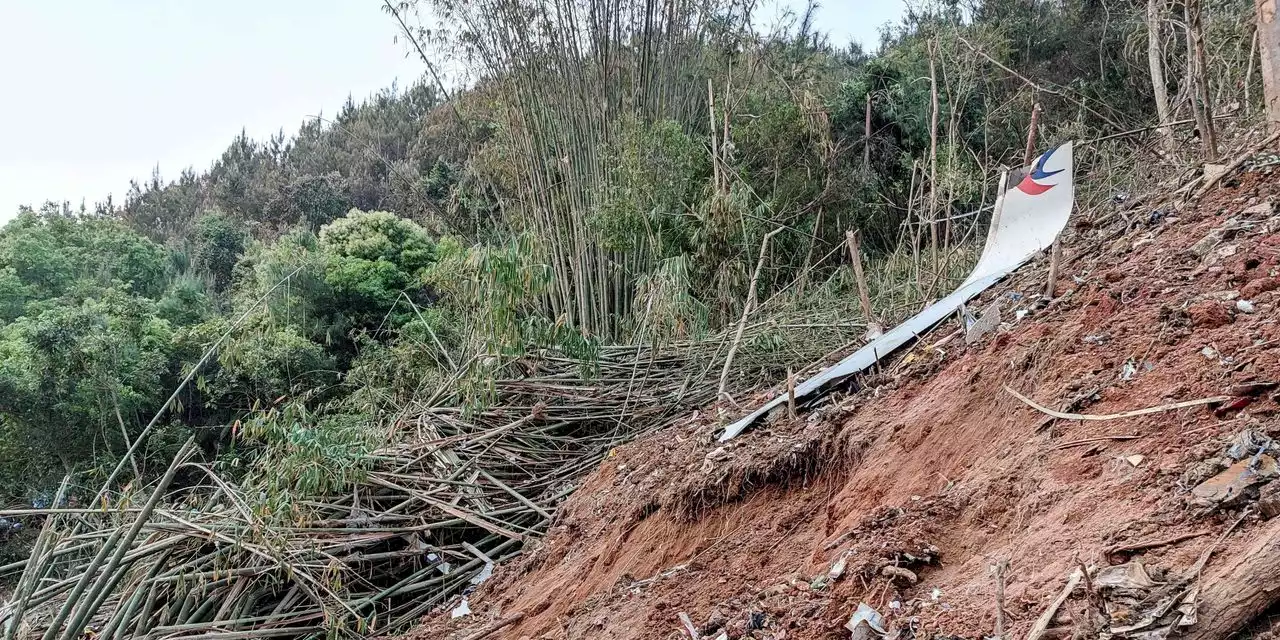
column 1269, row 500
column 1259, row 286
column 1208, row 314
column 1261, row 209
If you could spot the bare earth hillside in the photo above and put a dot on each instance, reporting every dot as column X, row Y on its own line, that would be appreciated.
column 905, row 493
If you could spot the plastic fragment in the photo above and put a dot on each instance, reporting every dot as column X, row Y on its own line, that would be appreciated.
column 463, row 609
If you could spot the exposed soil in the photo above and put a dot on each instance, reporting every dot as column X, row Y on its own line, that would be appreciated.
column 932, row 466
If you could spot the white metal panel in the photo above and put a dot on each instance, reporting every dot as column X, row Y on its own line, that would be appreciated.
column 1030, row 217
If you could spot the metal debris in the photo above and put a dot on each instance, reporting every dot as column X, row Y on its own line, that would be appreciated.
column 865, row 623
column 1233, row 485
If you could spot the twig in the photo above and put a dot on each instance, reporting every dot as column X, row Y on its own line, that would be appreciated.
column 1152, row 544
column 1046, row 618
column 1204, row 557
column 1115, row 416
column 1234, row 164
column 495, row 627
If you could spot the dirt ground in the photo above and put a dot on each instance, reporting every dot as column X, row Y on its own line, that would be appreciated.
column 933, row 467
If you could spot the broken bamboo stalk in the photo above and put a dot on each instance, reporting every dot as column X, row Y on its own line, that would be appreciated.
column 746, row 312
column 852, row 239
column 1114, row 416
column 791, row 394
column 1046, row 618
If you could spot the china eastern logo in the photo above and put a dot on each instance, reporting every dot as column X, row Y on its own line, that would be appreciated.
column 1029, row 185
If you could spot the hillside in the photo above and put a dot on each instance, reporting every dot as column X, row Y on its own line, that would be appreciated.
column 932, row 466
column 475, row 336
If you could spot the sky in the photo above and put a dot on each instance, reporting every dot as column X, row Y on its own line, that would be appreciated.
column 100, row 92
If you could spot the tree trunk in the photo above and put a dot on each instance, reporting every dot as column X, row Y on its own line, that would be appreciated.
column 1239, row 587
column 933, row 159
column 1269, row 53
column 866, row 139
column 1201, row 102
column 1155, row 60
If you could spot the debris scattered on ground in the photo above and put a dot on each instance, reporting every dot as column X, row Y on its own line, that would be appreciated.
column 986, row 322
column 809, row 518
column 865, row 623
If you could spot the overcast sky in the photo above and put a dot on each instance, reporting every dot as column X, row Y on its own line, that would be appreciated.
column 98, row 92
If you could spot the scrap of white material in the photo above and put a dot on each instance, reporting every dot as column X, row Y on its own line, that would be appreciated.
column 1025, row 225
column 463, row 609
column 866, row 623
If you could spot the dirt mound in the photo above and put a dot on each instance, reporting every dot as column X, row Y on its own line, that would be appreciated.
column 905, row 493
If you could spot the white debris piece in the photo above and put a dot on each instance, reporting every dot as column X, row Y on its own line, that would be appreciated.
column 463, row 609
column 865, row 623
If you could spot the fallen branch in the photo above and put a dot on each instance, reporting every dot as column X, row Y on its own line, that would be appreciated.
column 495, row 627
column 1234, row 164
column 1152, row 544
column 1046, row 618
column 1114, row 416
column 1076, row 443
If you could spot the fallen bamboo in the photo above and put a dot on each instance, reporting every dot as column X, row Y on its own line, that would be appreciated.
column 1046, row 618
column 1114, row 416
column 496, row 627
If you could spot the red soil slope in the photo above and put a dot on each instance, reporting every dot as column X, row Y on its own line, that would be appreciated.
column 933, row 465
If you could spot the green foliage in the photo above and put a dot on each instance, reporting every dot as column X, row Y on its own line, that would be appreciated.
column 311, row 201
column 217, row 244
column 262, row 366
column 70, row 373
column 379, row 236
column 301, row 453
column 657, row 174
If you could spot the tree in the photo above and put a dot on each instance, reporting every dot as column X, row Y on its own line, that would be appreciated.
column 1269, row 50
column 1155, row 62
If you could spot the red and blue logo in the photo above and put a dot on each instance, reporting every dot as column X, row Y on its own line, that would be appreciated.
column 1029, row 186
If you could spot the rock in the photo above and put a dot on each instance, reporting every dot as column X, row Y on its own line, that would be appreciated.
column 899, row 574
column 1259, row 286
column 1201, row 471
column 1208, row 314
column 1269, row 500
column 1260, row 209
